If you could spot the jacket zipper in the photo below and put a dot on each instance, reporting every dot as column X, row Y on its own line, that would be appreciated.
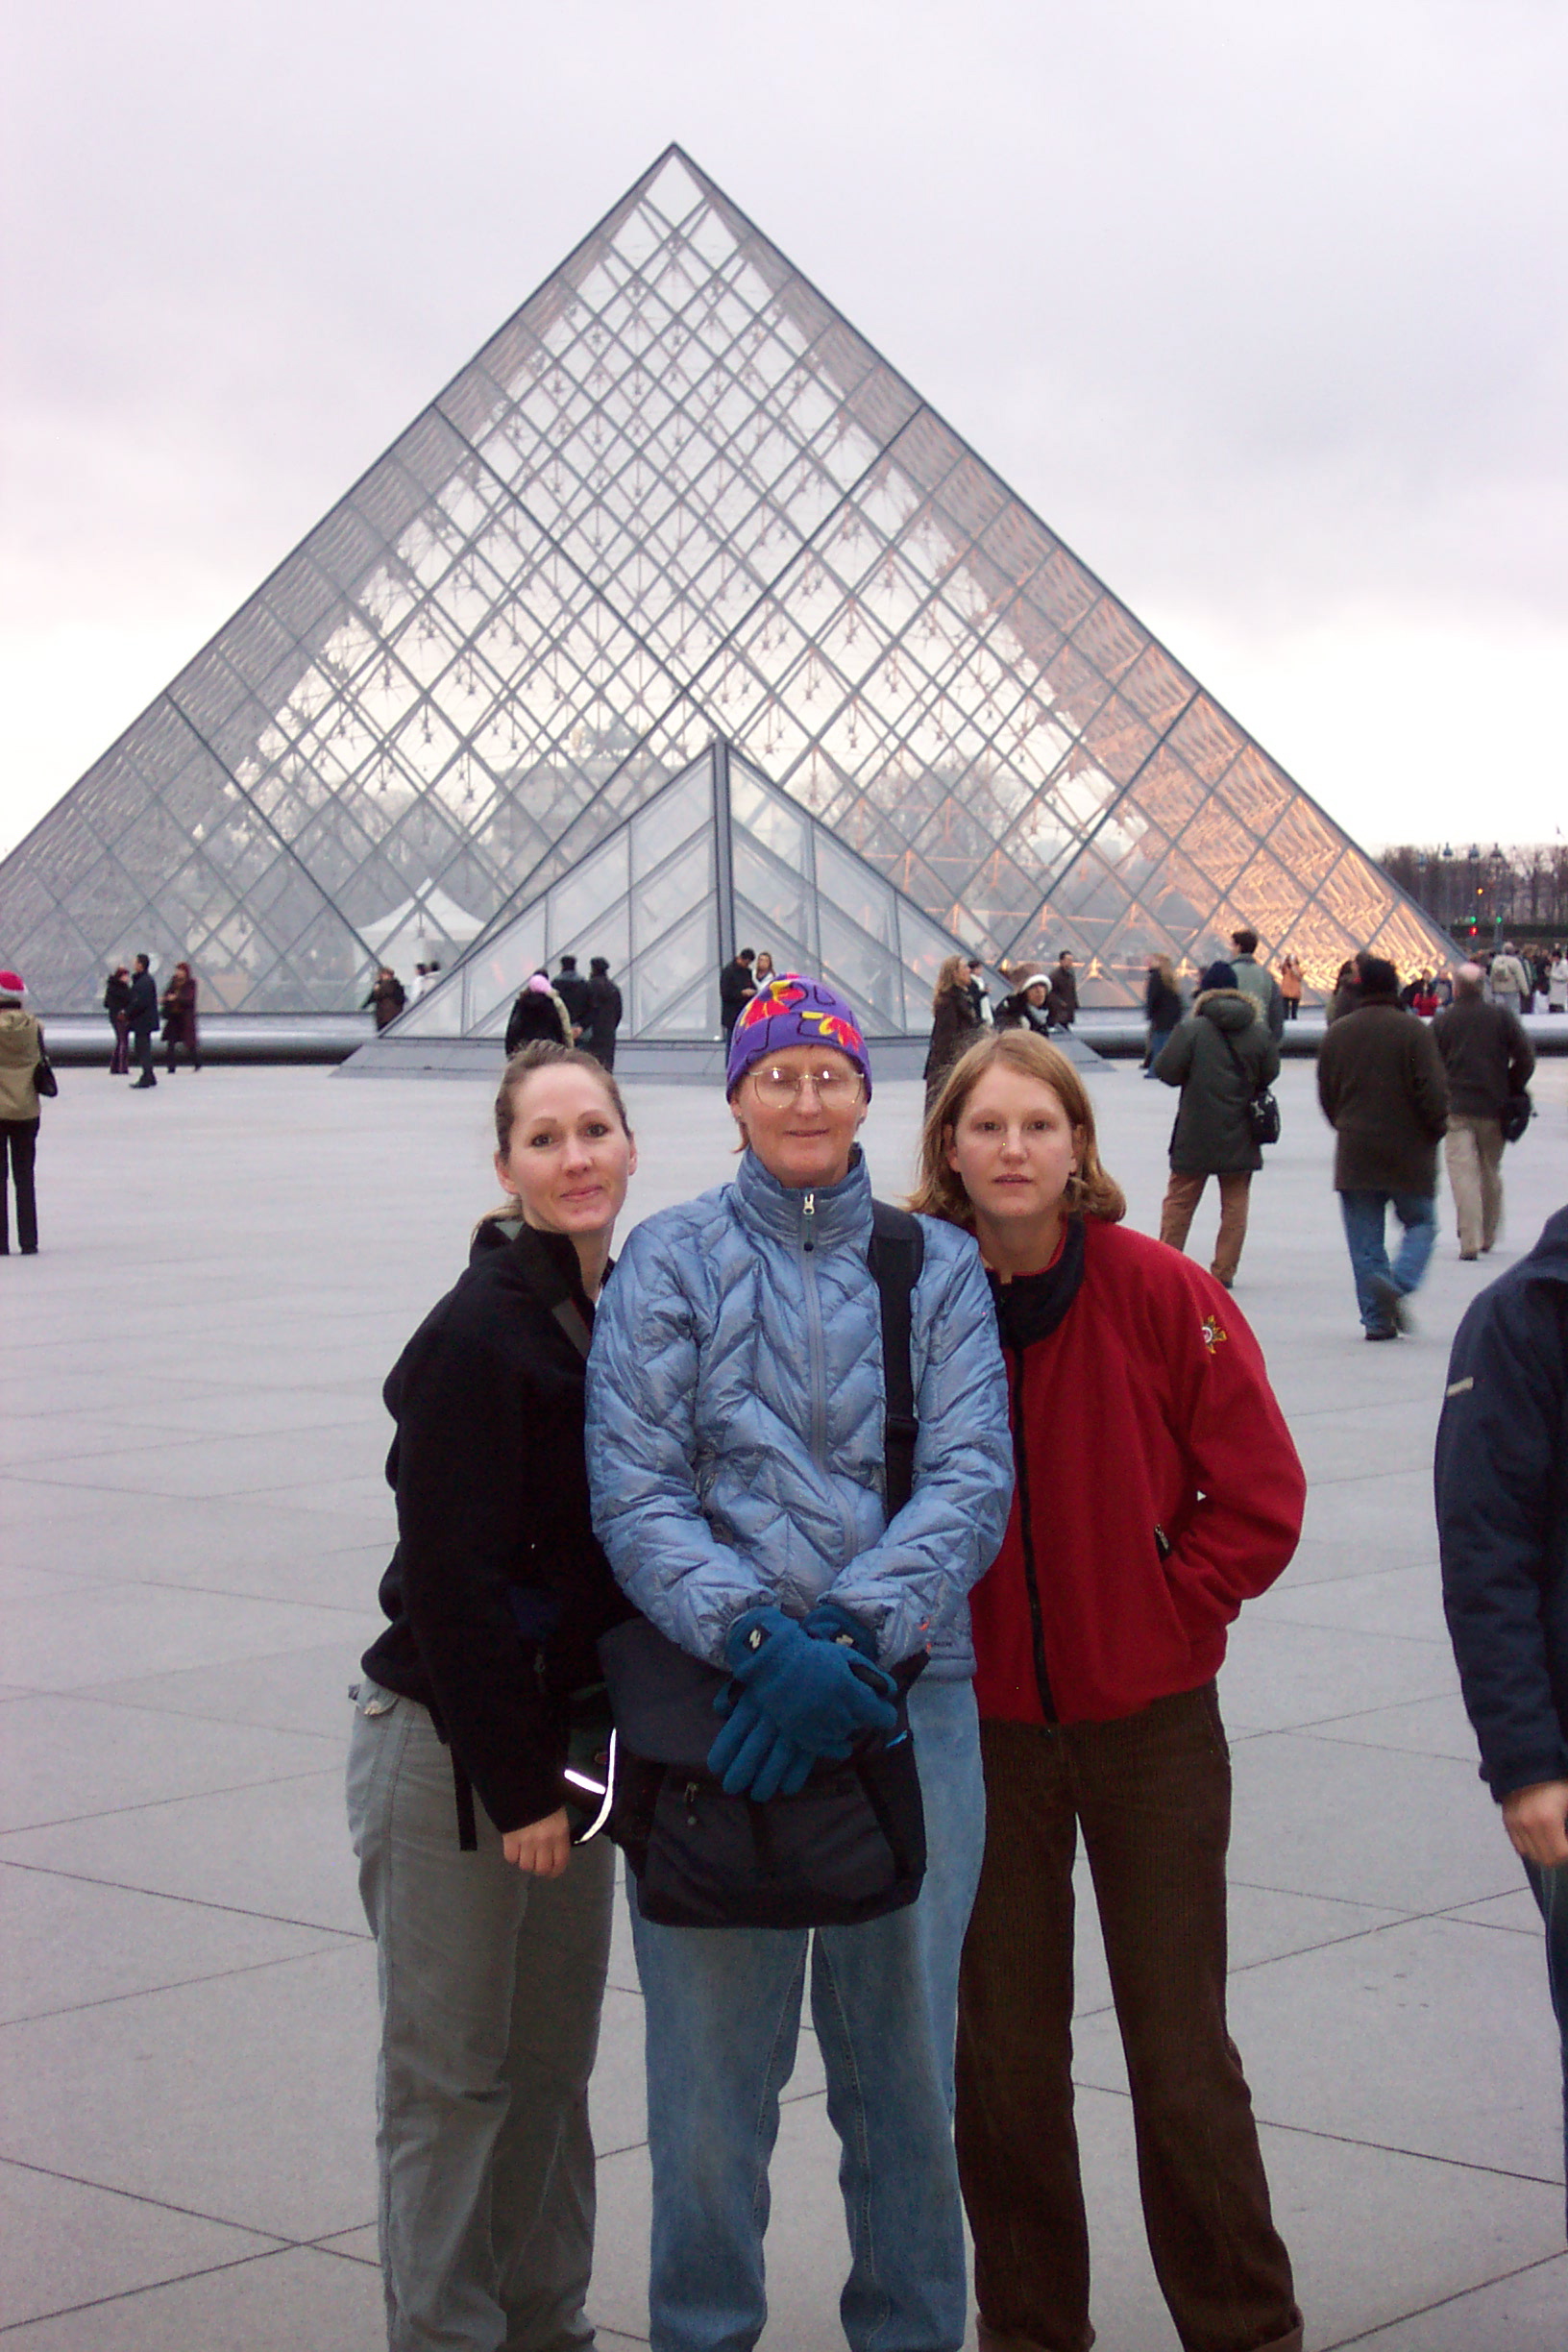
column 1026, row 1529
column 814, row 1331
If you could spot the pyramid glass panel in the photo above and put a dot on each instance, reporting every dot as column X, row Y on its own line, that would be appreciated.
column 677, row 496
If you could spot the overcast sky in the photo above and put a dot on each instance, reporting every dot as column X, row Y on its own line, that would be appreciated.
column 1261, row 306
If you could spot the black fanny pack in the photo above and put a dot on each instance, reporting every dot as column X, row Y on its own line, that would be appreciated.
column 848, row 1846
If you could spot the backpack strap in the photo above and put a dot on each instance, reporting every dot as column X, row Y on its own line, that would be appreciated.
column 895, row 1256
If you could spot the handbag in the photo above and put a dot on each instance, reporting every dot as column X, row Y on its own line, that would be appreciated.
column 44, row 1081
column 1262, row 1110
column 1517, row 1113
column 847, row 1847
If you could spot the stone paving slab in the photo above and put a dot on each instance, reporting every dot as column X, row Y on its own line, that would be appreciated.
column 193, row 1523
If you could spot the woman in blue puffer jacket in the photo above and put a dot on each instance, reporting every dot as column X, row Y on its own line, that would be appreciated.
column 735, row 1447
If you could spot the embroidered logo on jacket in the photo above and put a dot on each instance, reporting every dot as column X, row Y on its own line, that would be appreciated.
column 1214, row 1331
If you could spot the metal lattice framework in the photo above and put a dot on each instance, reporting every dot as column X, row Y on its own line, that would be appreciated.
column 677, row 496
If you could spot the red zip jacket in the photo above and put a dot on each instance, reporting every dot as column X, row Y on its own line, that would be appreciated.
column 1157, row 1487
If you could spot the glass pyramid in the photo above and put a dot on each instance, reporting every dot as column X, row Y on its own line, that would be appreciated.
column 677, row 496
column 718, row 859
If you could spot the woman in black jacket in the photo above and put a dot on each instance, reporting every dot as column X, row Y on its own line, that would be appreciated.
column 492, row 1932
column 954, row 1023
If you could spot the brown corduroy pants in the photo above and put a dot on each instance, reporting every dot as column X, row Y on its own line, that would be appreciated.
column 1153, row 1795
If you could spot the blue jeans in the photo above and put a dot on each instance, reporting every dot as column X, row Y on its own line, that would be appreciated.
column 1364, row 1214
column 1549, row 1887
column 722, row 2019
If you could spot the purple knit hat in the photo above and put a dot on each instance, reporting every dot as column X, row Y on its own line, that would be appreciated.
column 789, row 1011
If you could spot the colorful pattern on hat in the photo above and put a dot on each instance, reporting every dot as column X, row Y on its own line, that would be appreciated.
column 790, row 1011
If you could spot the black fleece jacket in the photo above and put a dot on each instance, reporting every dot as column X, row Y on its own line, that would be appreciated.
column 1502, row 1478
column 498, row 1590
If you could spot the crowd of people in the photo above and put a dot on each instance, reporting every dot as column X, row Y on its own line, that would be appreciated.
column 820, row 1498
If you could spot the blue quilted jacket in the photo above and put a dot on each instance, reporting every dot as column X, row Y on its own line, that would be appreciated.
column 735, row 1409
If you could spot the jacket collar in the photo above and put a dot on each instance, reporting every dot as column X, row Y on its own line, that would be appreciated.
column 840, row 1212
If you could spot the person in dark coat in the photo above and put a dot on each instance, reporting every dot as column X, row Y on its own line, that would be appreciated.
column 21, row 1048
column 1161, row 1008
column 736, row 989
column 1487, row 1057
column 117, row 1004
column 954, row 1023
column 1063, row 1000
column 1381, row 1084
column 1257, row 982
column 572, row 991
column 179, row 1010
column 1219, row 1056
column 492, row 1929
column 1503, row 1538
column 604, row 1013
column 1026, row 1006
column 141, row 1016
column 538, row 1015
column 386, row 999
column 1346, row 993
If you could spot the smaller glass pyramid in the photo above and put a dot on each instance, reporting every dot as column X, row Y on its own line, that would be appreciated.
column 719, row 858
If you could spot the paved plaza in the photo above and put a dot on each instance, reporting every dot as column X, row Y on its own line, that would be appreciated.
column 194, row 1521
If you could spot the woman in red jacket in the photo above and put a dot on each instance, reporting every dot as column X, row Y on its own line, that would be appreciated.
column 1157, row 1490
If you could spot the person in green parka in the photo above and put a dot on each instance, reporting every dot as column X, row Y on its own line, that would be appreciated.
column 1219, row 1056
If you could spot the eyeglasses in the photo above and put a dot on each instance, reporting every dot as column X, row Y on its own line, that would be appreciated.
column 835, row 1082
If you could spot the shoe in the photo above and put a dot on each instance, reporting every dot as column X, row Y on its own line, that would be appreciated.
column 136, row 1084
column 1392, row 1303
column 1468, row 1257
column 28, row 1253
column 1382, row 1332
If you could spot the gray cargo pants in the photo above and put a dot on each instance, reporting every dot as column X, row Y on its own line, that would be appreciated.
column 491, row 1983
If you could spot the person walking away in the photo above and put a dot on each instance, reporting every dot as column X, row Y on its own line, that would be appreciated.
column 1382, row 1090
column 387, row 998
column 492, row 1932
column 1503, row 1540
column 1487, row 1057
column 1219, row 1055
column 1062, row 998
column 1257, row 982
column 141, row 1016
column 1161, row 1008
column 1510, row 982
column 604, row 1013
column 954, row 1021
column 736, row 990
column 1556, row 981
column 1157, row 1490
column 117, row 1004
column 572, row 991
column 736, row 1449
column 21, row 1046
column 179, row 1010
column 538, row 1016
column 1291, row 983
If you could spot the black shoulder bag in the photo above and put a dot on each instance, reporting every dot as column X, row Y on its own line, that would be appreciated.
column 850, row 1846
column 1262, row 1110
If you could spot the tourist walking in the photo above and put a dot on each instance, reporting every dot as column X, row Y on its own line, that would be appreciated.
column 117, row 1004
column 604, row 1013
column 179, row 1011
column 492, row 1931
column 572, row 991
column 1381, row 1084
column 538, row 1016
column 736, row 990
column 1290, row 986
column 1556, row 981
column 141, row 1016
column 1257, row 982
column 1487, row 1057
column 737, row 1452
column 1157, row 1490
column 21, row 1049
column 1220, row 1055
column 954, row 1021
column 387, row 998
column 1062, row 997
column 1162, row 1008
column 1503, row 1538
column 1507, row 981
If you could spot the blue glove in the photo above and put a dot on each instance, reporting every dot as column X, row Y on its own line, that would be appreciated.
column 819, row 1694
column 752, row 1757
column 830, row 1622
